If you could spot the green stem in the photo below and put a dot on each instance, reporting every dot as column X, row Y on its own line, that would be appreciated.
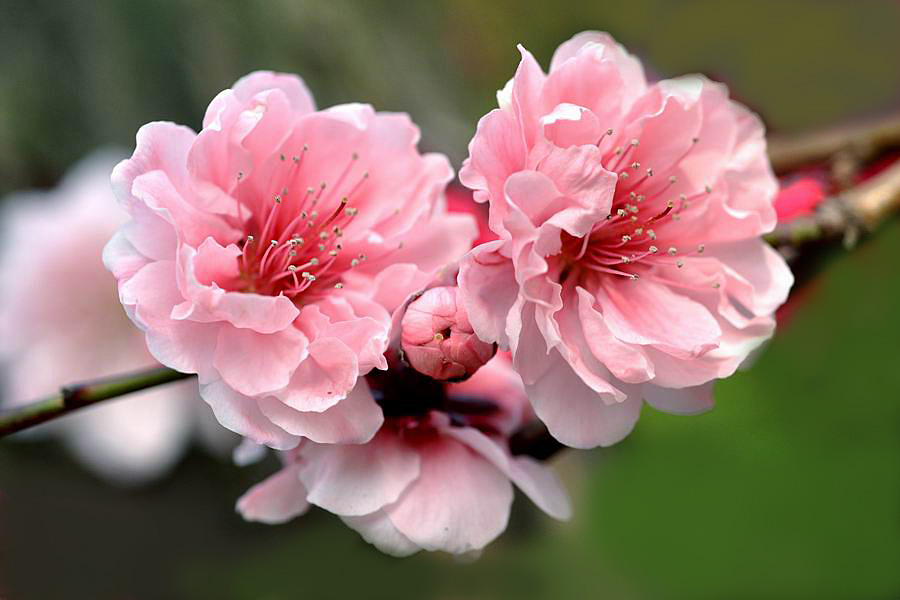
column 72, row 397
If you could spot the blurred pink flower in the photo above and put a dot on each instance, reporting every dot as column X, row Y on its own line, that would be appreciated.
column 799, row 198
column 437, row 338
column 60, row 322
column 459, row 200
column 432, row 479
column 256, row 246
column 630, row 264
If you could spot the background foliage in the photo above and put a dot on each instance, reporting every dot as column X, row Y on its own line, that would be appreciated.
column 788, row 489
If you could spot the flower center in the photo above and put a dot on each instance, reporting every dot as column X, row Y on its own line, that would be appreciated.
column 293, row 242
column 639, row 235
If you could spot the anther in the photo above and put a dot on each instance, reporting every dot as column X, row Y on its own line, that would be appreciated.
column 635, row 165
column 672, row 179
column 679, row 263
column 672, row 251
column 281, row 156
column 439, row 337
column 314, row 261
column 700, row 249
column 653, row 249
column 339, row 285
column 650, row 172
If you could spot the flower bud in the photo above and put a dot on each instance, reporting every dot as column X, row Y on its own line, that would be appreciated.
column 437, row 338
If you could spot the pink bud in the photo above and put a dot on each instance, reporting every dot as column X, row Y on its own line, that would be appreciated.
column 437, row 338
column 799, row 198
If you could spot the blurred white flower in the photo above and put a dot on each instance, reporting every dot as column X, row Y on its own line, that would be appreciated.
column 61, row 322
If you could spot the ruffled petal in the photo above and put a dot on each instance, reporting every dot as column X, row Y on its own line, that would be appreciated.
column 276, row 500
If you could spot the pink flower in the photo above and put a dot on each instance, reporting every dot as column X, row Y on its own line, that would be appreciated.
column 437, row 338
column 799, row 198
column 60, row 322
column 630, row 264
column 257, row 246
column 432, row 478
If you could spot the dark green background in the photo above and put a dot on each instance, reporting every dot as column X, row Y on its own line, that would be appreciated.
column 790, row 488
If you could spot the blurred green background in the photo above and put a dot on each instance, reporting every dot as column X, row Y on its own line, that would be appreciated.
column 790, row 488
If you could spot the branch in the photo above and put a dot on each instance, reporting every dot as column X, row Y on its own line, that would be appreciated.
column 71, row 398
column 861, row 208
column 856, row 144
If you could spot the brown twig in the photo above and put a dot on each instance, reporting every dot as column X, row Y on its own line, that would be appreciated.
column 73, row 397
column 844, row 146
column 845, row 215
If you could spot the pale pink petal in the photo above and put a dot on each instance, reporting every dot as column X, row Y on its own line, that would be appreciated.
column 377, row 529
column 538, row 481
column 278, row 499
column 459, row 503
column 293, row 87
column 629, row 66
column 355, row 480
column 254, row 363
column 683, row 401
column 648, row 313
column 586, row 418
column 353, row 420
column 626, row 361
column 323, row 378
column 242, row 415
column 487, row 285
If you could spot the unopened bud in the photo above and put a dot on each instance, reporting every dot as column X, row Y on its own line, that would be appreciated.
column 437, row 338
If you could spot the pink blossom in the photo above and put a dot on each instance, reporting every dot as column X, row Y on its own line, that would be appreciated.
column 799, row 198
column 257, row 245
column 432, row 478
column 61, row 322
column 629, row 264
column 437, row 338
